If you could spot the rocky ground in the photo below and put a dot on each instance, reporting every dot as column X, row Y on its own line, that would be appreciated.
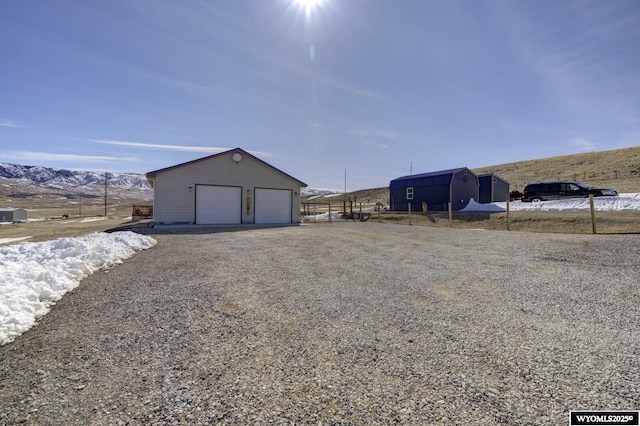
column 564, row 222
column 341, row 323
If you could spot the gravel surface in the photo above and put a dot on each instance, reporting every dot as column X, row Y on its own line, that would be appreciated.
column 341, row 323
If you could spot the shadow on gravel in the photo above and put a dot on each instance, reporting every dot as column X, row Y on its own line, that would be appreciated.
column 151, row 228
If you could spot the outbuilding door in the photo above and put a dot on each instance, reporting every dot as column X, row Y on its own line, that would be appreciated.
column 273, row 205
column 218, row 205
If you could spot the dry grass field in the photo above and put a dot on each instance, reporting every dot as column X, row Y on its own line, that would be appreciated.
column 86, row 211
column 619, row 168
column 561, row 222
column 46, row 208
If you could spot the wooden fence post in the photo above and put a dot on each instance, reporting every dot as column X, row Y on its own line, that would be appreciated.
column 508, row 227
column 450, row 214
column 593, row 215
column 329, row 211
column 409, row 213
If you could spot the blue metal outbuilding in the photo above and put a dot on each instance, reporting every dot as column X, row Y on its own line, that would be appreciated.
column 437, row 189
column 492, row 188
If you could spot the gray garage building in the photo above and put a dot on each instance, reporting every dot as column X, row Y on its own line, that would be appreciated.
column 492, row 188
column 437, row 189
column 232, row 187
column 12, row 215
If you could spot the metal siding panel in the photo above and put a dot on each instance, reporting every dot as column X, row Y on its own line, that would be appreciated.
column 437, row 189
column 420, row 180
column 436, row 197
column 463, row 190
column 393, row 201
column 493, row 188
column 13, row 215
column 485, row 189
column 172, row 200
column 500, row 191
column 397, row 199
column 174, row 203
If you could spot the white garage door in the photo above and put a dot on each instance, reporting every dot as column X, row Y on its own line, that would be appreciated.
column 218, row 204
column 273, row 206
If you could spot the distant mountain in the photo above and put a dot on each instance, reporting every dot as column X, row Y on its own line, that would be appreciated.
column 63, row 178
column 89, row 181
column 306, row 192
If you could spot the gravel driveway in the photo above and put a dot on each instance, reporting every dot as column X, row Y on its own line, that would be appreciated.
column 342, row 323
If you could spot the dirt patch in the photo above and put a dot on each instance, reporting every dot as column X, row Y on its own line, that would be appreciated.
column 51, row 216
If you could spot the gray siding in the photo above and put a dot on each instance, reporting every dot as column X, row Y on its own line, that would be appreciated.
column 12, row 215
column 493, row 188
column 464, row 187
column 174, row 202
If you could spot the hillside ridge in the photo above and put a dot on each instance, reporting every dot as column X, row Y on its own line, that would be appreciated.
column 617, row 168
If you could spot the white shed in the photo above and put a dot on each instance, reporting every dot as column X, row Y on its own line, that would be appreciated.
column 12, row 215
column 232, row 187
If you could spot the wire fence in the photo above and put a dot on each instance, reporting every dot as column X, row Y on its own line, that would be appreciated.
column 627, row 179
column 561, row 222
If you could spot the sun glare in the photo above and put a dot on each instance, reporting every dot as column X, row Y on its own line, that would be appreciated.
column 307, row 5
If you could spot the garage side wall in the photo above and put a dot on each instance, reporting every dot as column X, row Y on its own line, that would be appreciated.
column 13, row 215
column 175, row 202
column 493, row 188
column 465, row 186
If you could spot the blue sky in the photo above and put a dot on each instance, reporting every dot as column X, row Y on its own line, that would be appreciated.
column 380, row 88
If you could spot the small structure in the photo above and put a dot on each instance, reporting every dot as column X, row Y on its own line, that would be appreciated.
column 436, row 189
column 12, row 215
column 492, row 188
column 232, row 187
column 141, row 212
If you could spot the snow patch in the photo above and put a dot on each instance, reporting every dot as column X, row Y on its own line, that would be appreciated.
column 33, row 276
column 627, row 201
column 11, row 240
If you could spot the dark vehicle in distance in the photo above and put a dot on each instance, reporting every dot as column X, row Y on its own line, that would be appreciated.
column 543, row 191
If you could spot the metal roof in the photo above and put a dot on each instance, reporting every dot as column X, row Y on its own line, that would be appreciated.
column 442, row 177
column 492, row 176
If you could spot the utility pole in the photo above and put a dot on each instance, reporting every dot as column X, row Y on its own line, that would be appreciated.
column 344, row 205
column 345, row 184
column 106, row 179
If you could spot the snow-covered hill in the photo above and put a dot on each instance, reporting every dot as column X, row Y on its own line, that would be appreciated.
column 74, row 181
column 63, row 178
column 305, row 192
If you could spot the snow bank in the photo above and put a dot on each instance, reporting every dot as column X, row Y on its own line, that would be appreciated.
column 12, row 240
column 94, row 219
column 33, row 276
column 323, row 216
column 630, row 201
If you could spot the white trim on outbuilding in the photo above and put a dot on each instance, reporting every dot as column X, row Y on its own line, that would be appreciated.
column 232, row 187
